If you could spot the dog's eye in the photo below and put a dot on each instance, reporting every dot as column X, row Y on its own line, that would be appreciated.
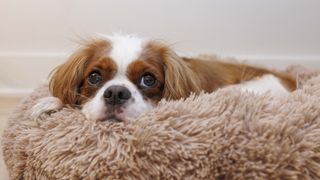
column 148, row 80
column 94, row 78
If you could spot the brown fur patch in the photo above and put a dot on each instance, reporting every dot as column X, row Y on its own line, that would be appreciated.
column 179, row 79
column 66, row 78
column 215, row 73
column 141, row 67
column 106, row 67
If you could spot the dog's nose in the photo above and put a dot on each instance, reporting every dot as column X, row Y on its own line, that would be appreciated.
column 116, row 95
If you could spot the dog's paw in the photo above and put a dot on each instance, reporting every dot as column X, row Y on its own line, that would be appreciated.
column 46, row 105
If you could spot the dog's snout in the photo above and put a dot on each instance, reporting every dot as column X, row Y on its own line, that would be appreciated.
column 116, row 95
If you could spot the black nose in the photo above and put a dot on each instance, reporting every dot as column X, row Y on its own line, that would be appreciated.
column 116, row 95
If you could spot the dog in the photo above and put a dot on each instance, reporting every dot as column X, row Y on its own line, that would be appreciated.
column 119, row 77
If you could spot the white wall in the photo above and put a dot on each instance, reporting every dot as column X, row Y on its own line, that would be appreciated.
column 40, row 33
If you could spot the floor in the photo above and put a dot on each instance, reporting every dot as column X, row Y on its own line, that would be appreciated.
column 6, row 106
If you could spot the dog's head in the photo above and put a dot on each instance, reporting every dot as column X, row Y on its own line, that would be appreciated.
column 117, row 77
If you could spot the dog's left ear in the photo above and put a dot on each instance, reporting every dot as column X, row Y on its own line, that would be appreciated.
column 180, row 79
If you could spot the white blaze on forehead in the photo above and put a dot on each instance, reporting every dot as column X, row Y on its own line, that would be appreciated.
column 124, row 50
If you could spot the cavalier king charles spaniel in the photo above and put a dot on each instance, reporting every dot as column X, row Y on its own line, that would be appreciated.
column 121, row 76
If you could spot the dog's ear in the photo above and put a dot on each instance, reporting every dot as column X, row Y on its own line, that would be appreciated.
column 180, row 79
column 66, row 78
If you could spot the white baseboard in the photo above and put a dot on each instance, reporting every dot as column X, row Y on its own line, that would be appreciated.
column 14, row 92
column 20, row 73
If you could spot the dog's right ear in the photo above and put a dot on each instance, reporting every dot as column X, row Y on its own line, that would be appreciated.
column 66, row 79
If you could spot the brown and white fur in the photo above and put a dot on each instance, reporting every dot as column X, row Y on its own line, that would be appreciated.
column 121, row 76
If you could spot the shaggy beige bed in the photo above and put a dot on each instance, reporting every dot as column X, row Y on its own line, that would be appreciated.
column 222, row 135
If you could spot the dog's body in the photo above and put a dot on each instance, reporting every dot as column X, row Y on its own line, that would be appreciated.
column 118, row 77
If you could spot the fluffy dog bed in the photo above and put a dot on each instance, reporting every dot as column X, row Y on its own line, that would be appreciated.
column 223, row 135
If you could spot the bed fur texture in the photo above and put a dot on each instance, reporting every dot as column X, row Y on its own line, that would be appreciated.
column 227, row 134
